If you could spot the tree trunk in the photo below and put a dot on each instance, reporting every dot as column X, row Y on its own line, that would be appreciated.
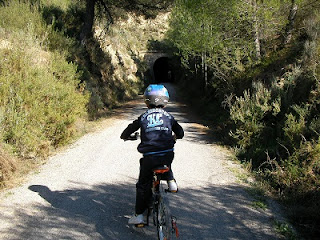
column 205, row 70
column 291, row 19
column 110, row 19
column 256, row 30
column 86, row 31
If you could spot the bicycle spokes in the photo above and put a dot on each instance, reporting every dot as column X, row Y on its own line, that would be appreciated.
column 164, row 223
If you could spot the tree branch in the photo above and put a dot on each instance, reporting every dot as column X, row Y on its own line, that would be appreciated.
column 107, row 11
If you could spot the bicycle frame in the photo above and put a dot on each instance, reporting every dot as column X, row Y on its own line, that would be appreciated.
column 166, row 223
column 162, row 218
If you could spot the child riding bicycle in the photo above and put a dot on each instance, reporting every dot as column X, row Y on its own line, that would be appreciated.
column 157, row 142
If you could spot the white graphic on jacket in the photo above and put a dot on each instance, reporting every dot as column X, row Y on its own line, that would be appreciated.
column 155, row 123
column 155, row 120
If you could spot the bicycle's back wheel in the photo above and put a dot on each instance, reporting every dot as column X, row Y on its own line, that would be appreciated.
column 164, row 221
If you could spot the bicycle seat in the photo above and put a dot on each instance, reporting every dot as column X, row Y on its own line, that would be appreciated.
column 161, row 169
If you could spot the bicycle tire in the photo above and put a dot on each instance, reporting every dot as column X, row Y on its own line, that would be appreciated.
column 164, row 222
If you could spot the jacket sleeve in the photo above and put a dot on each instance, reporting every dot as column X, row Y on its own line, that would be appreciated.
column 132, row 127
column 177, row 129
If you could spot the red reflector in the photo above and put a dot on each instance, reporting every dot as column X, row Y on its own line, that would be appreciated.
column 160, row 171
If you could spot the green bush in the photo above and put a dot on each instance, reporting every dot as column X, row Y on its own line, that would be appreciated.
column 248, row 112
column 298, row 175
column 273, row 104
column 20, row 16
column 295, row 126
column 39, row 99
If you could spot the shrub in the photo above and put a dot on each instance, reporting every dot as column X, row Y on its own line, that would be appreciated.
column 20, row 16
column 295, row 126
column 38, row 97
column 298, row 175
column 248, row 112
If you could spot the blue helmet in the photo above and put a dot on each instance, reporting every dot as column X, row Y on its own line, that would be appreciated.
column 156, row 95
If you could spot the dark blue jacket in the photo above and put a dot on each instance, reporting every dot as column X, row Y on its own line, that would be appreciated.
column 156, row 127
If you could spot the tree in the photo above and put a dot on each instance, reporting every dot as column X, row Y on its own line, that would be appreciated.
column 231, row 36
column 88, row 21
column 291, row 19
column 256, row 30
column 218, row 32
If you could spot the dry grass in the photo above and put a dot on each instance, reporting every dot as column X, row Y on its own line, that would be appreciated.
column 8, row 165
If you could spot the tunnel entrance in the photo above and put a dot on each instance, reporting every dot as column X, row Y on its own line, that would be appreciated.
column 162, row 70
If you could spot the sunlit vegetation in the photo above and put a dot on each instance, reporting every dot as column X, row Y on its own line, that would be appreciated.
column 256, row 67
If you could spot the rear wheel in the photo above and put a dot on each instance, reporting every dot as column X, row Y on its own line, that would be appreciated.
column 164, row 224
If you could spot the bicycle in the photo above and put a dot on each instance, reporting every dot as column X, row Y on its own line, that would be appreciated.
column 165, row 222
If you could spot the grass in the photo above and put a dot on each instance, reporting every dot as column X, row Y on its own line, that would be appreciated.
column 285, row 230
column 63, row 4
column 259, row 205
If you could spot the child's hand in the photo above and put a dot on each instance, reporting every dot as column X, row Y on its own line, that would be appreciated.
column 174, row 137
column 133, row 136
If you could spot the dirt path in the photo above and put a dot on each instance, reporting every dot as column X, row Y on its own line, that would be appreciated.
column 88, row 190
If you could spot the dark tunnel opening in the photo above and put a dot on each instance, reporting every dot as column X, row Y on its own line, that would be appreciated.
column 162, row 70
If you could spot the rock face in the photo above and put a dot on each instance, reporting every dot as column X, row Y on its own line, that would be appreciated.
column 129, row 42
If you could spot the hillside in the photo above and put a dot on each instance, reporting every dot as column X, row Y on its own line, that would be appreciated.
column 51, row 84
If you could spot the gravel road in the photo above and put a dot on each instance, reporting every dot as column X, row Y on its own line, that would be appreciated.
column 88, row 190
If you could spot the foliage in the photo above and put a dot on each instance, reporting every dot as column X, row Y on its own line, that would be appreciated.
column 41, row 94
column 147, row 8
column 269, row 90
column 224, row 32
column 286, row 230
column 198, row 28
column 95, row 64
column 27, row 18
column 248, row 113
column 32, row 122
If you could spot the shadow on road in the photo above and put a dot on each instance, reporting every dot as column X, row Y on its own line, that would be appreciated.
column 101, row 212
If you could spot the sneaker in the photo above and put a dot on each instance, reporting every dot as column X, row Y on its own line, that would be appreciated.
column 136, row 219
column 172, row 185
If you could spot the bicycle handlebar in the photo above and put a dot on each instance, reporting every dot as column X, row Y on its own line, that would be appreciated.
column 132, row 137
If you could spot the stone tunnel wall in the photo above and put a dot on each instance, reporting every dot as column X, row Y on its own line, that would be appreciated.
column 150, row 58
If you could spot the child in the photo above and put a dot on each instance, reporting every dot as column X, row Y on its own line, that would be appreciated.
column 157, row 141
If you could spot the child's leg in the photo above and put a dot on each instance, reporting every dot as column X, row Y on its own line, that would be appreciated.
column 143, row 186
column 168, row 175
column 167, row 160
column 172, row 185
